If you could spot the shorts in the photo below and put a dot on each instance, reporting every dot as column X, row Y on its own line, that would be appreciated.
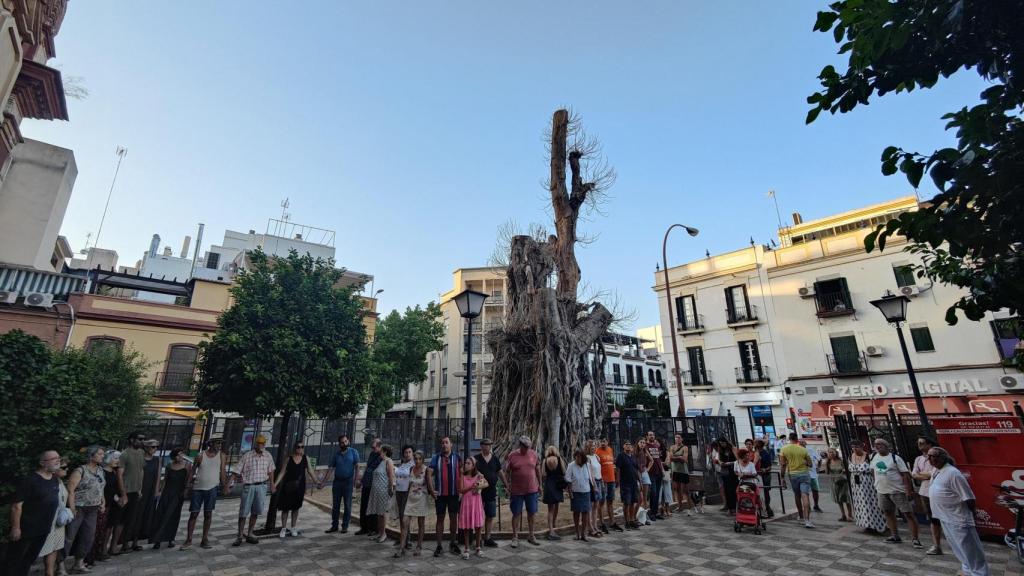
column 890, row 503
column 645, row 479
column 926, row 503
column 517, row 501
column 609, row 492
column 595, row 495
column 681, row 478
column 580, row 502
column 490, row 507
column 254, row 500
column 815, row 487
column 801, row 483
column 628, row 493
column 446, row 503
column 203, row 500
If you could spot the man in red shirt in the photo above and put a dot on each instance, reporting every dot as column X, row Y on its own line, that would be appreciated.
column 522, row 478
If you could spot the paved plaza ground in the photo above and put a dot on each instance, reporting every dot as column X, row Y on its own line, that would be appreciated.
column 701, row 546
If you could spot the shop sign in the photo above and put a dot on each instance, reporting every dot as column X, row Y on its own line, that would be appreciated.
column 928, row 387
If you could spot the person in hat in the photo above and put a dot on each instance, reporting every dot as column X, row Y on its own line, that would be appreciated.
column 210, row 473
column 256, row 472
column 522, row 479
column 488, row 464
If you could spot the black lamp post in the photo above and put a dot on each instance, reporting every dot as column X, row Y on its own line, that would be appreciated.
column 470, row 303
column 681, row 411
column 894, row 308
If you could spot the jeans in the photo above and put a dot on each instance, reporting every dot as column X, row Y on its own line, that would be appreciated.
column 342, row 488
column 654, row 495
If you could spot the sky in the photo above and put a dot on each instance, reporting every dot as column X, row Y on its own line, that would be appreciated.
column 416, row 129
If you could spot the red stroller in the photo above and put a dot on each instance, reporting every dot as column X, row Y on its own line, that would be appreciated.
column 748, row 507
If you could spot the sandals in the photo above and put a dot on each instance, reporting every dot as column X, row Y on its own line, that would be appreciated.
column 417, row 551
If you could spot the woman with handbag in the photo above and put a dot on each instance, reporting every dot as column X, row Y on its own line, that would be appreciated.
column 171, row 493
column 292, row 480
column 553, row 477
column 55, row 540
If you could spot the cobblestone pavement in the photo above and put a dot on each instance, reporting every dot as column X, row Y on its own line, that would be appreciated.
column 700, row 545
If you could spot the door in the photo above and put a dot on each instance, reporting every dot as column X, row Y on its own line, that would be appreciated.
column 762, row 421
column 750, row 361
column 686, row 312
column 698, row 375
column 846, row 354
column 736, row 299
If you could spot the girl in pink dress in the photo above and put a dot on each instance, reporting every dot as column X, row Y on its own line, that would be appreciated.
column 471, row 510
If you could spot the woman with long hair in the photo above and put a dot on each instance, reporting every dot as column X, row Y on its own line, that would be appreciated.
column 171, row 492
column 113, row 504
column 643, row 461
column 867, row 514
column 381, row 492
column 292, row 480
column 415, row 506
column 834, row 469
column 727, row 473
column 553, row 477
column 471, row 508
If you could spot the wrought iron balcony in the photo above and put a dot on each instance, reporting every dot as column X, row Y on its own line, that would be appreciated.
column 690, row 326
column 833, row 304
column 494, row 301
column 697, row 378
column 182, row 383
column 741, row 316
column 846, row 364
column 752, row 375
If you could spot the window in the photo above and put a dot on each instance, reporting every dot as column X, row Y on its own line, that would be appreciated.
column 443, row 412
column 832, row 297
column 101, row 344
column 477, row 344
column 750, row 362
column 650, row 376
column 431, row 379
column 1007, row 333
column 846, row 356
column 904, row 275
column 213, row 260
column 686, row 313
column 617, row 373
column 444, row 350
column 658, row 376
column 698, row 372
column 922, row 339
column 180, row 370
column 444, row 379
column 629, row 375
column 430, row 412
column 738, row 306
column 640, row 375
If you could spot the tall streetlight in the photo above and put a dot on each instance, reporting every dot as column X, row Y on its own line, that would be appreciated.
column 894, row 308
column 671, row 322
column 470, row 303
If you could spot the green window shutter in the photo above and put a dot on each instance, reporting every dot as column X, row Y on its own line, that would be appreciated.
column 922, row 339
column 904, row 275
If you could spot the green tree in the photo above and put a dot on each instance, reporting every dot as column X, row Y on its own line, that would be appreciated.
column 971, row 233
column 292, row 343
column 399, row 353
column 637, row 395
column 62, row 400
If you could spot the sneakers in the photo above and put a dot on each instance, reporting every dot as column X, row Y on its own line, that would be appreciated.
column 535, row 543
column 616, row 527
column 204, row 545
column 455, row 549
column 816, row 509
column 552, row 536
column 917, row 543
column 688, row 512
column 331, row 530
column 438, row 552
column 893, row 540
column 934, row 551
column 490, row 543
column 185, row 546
column 479, row 553
column 809, row 524
column 284, row 532
column 515, row 543
column 237, row 542
column 251, row 539
column 465, row 555
column 604, row 528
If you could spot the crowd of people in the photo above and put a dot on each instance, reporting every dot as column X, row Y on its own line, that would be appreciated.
column 115, row 500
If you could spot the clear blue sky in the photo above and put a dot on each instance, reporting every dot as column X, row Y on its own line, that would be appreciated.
column 415, row 129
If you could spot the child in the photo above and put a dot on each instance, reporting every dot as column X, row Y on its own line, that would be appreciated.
column 471, row 511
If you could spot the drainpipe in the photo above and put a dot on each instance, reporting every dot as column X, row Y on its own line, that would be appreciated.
column 71, row 327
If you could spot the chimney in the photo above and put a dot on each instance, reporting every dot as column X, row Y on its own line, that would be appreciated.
column 797, row 219
column 168, row 251
column 298, row 236
column 184, row 246
column 154, row 245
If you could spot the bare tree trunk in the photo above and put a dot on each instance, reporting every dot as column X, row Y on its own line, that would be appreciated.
column 540, row 353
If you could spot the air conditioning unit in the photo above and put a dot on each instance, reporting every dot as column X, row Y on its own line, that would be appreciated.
column 8, row 297
column 39, row 300
column 874, row 351
column 911, row 290
column 806, row 291
column 1010, row 383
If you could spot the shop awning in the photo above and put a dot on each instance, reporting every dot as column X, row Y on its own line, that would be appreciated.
column 823, row 411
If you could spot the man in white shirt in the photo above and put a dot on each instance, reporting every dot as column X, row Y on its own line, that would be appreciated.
column 894, row 488
column 952, row 502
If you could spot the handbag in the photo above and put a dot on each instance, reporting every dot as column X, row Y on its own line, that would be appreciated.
column 64, row 516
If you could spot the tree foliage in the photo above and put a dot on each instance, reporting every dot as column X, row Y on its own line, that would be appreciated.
column 292, row 342
column 971, row 233
column 399, row 353
column 62, row 400
column 639, row 395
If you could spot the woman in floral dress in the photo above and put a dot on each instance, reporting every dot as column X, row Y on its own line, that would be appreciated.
column 865, row 501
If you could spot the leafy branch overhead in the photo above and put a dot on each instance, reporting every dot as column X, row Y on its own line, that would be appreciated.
column 971, row 232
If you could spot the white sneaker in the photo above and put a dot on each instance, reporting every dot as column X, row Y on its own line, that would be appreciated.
column 808, row 524
column 688, row 512
column 293, row 532
column 284, row 532
column 515, row 542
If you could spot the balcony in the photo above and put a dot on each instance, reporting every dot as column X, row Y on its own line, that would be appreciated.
column 695, row 325
column 847, row 364
column 741, row 317
column 753, row 377
column 175, row 383
column 494, row 300
column 831, row 304
column 698, row 380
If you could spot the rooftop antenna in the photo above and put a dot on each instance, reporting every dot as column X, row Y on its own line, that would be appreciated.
column 121, row 151
column 285, row 215
column 85, row 250
column 778, row 215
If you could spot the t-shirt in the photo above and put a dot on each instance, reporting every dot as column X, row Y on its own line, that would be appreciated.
column 888, row 471
column 678, row 452
column 344, row 463
column 815, row 460
column 742, row 469
column 642, row 459
column 522, row 473
column 445, row 470
column 132, row 462
column 39, row 499
column 578, row 476
column 490, row 473
column 923, row 466
column 796, row 458
column 629, row 472
column 607, row 457
column 947, row 493
column 595, row 466
column 654, row 449
column 767, row 458
column 403, row 473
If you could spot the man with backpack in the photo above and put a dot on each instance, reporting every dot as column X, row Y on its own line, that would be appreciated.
column 895, row 489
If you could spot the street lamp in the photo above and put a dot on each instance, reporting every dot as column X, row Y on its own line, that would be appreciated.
column 470, row 303
column 671, row 322
column 894, row 308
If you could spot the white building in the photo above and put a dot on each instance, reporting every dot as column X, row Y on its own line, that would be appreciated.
column 753, row 323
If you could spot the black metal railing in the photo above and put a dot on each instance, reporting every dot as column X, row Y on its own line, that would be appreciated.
column 833, row 304
column 839, row 364
column 740, row 315
column 745, row 375
column 175, row 382
column 694, row 324
column 697, row 378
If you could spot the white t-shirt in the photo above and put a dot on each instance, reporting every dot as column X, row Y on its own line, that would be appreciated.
column 888, row 471
column 947, row 493
column 923, row 466
column 403, row 473
column 578, row 476
column 595, row 466
column 748, row 469
column 815, row 460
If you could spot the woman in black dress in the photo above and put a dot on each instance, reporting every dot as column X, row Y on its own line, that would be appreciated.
column 553, row 473
column 292, row 480
column 172, row 497
column 102, row 547
column 727, row 473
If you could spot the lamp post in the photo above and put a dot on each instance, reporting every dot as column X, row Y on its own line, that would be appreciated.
column 470, row 303
column 894, row 308
column 681, row 412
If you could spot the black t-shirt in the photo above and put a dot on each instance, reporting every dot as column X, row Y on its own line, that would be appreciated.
column 628, row 469
column 490, row 471
column 39, row 498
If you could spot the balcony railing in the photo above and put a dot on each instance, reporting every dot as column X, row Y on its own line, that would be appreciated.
column 752, row 375
column 833, row 304
column 692, row 325
column 741, row 315
column 494, row 301
column 175, row 382
column 842, row 364
column 697, row 378
column 617, row 379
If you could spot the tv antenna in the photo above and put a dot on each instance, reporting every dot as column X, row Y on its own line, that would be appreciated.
column 778, row 215
column 85, row 250
column 285, row 214
column 121, row 151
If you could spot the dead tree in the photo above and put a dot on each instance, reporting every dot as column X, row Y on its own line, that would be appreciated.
column 540, row 352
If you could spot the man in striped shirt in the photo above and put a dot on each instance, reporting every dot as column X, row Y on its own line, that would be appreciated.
column 256, row 471
column 444, row 476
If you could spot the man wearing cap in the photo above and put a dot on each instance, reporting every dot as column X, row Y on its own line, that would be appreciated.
column 132, row 463
column 256, row 471
column 522, row 479
column 210, row 474
column 488, row 464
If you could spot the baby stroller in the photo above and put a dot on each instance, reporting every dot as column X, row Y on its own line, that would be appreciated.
column 748, row 507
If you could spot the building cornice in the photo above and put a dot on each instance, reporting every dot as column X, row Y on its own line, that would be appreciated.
column 39, row 92
column 950, row 368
